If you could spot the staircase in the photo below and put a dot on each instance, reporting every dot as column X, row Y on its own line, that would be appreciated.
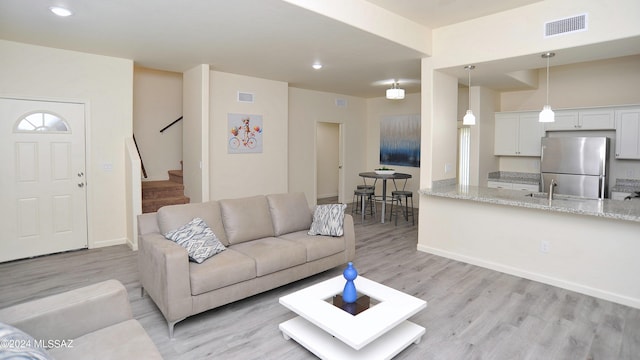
column 156, row 194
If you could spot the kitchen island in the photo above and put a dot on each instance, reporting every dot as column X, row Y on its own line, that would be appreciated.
column 588, row 246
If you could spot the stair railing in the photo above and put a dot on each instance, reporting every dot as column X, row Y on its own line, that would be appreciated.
column 170, row 125
column 144, row 172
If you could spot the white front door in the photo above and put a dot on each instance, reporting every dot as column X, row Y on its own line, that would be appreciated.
column 43, row 188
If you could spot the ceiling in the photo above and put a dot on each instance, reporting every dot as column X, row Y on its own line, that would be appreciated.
column 269, row 39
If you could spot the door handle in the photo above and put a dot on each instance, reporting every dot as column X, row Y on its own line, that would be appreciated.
column 81, row 185
column 80, row 174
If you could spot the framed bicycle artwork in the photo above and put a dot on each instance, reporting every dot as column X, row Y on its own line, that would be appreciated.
column 245, row 133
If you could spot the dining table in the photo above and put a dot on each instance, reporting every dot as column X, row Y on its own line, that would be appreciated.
column 384, row 177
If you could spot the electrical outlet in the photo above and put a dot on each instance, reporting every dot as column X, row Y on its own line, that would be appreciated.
column 545, row 246
column 447, row 167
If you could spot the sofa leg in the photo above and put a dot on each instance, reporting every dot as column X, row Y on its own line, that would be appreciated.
column 171, row 325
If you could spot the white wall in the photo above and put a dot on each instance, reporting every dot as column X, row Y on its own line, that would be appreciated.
column 595, row 83
column 377, row 109
column 519, row 31
column 195, row 133
column 306, row 109
column 157, row 101
column 241, row 175
column 327, row 150
column 105, row 84
column 591, row 255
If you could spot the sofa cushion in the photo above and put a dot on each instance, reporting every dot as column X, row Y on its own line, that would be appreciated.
column 173, row 216
column 246, row 219
column 16, row 344
column 328, row 220
column 289, row 213
column 317, row 247
column 125, row 340
column 226, row 268
column 201, row 243
column 273, row 254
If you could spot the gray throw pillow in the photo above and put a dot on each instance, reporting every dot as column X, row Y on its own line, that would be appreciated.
column 328, row 220
column 201, row 243
column 15, row 344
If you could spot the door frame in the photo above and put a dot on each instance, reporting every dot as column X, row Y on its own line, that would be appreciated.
column 341, row 162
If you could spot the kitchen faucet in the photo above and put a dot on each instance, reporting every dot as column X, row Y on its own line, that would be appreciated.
column 551, row 186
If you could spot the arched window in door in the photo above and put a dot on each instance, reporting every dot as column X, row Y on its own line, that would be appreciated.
column 42, row 122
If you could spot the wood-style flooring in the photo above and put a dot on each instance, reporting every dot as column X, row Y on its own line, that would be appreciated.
column 472, row 312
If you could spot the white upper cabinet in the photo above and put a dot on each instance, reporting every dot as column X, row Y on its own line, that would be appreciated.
column 517, row 134
column 587, row 119
column 628, row 133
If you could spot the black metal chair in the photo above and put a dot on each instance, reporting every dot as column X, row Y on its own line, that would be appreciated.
column 364, row 196
column 399, row 196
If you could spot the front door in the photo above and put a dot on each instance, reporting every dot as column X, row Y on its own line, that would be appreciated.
column 43, row 188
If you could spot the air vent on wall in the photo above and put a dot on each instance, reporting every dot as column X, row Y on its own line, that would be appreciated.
column 568, row 25
column 341, row 103
column 245, row 97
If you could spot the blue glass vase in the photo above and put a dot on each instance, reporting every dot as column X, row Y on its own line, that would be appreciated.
column 349, row 294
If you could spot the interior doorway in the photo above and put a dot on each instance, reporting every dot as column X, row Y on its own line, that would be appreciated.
column 42, row 148
column 329, row 163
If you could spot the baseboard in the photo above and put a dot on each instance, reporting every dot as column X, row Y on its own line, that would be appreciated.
column 132, row 245
column 110, row 242
column 561, row 283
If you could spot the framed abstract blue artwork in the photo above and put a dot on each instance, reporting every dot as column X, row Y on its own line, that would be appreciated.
column 400, row 140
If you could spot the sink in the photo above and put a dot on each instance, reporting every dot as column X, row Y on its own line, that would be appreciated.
column 541, row 195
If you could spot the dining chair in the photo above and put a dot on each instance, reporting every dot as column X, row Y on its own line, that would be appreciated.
column 399, row 196
column 363, row 198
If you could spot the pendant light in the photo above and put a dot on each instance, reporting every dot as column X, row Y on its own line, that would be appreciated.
column 469, row 118
column 547, row 115
column 395, row 93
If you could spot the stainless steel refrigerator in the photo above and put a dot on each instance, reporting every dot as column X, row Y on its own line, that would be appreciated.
column 578, row 165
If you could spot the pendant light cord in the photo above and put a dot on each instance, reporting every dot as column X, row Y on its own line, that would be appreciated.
column 548, row 80
column 469, row 71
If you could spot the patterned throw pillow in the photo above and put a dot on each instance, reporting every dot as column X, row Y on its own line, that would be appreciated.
column 328, row 220
column 15, row 344
column 201, row 243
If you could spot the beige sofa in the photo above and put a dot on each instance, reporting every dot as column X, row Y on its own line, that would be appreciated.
column 93, row 322
column 267, row 247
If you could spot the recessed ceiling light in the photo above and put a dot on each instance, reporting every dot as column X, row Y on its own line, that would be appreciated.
column 60, row 11
column 317, row 66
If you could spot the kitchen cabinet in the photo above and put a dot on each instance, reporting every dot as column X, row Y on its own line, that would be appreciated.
column 514, row 186
column 627, row 133
column 587, row 119
column 517, row 134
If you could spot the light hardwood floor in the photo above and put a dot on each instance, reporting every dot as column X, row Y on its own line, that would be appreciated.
column 472, row 313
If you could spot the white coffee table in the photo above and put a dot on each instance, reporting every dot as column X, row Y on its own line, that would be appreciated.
column 380, row 332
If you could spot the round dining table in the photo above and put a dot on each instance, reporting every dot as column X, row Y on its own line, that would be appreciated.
column 384, row 178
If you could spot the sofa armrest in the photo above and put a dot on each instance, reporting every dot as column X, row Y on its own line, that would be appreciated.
column 71, row 314
column 164, row 274
column 148, row 223
column 349, row 237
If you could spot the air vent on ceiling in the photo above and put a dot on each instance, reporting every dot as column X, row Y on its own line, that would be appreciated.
column 568, row 25
column 341, row 103
column 245, row 97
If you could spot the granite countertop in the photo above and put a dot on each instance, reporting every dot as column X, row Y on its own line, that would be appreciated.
column 612, row 209
column 515, row 177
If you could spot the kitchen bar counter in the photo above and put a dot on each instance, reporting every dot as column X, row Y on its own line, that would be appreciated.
column 612, row 209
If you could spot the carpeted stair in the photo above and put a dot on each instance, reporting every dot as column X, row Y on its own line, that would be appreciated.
column 156, row 194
